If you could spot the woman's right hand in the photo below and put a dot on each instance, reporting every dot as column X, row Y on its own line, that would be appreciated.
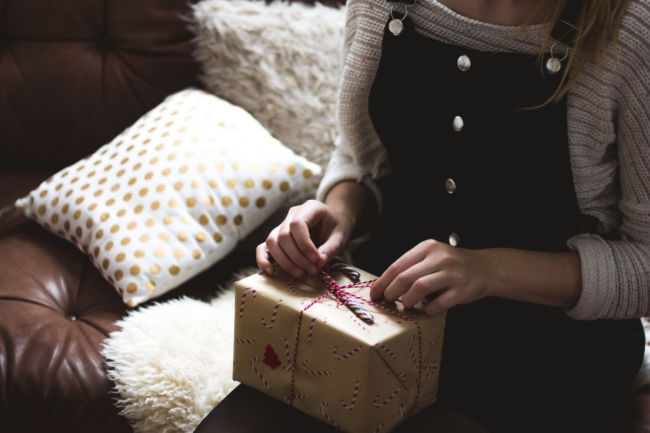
column 306, row 240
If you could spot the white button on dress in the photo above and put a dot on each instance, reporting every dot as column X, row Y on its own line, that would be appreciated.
column 454, row 239
column 450, row 185
column 464, row 63
column 458, row 124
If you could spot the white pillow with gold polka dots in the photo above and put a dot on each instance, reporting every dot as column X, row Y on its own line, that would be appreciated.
column 171, row 195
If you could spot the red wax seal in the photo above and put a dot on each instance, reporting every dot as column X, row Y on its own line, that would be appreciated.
column 270, row 357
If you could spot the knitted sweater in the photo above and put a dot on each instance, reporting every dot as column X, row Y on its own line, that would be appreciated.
column 609, row 139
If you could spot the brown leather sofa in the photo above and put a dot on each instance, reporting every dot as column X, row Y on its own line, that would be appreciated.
column 73, row 74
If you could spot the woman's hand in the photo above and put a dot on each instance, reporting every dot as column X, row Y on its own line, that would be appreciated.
column 461, row 276
column 293, row 244
column 456, row 275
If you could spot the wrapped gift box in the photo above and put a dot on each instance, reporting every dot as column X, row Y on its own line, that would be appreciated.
column 315, row 354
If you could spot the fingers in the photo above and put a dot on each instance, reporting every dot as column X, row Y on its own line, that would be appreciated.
column 434, row 283
column 282, row 259
column 262, row 258
column 331, row 247
column 408, row 259
column 445, row 301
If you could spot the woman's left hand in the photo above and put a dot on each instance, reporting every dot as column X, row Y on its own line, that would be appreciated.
column 458, row 275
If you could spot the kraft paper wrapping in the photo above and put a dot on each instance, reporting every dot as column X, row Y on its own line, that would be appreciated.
column 360, row 378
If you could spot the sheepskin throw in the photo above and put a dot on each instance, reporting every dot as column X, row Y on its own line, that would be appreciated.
column 278, row 61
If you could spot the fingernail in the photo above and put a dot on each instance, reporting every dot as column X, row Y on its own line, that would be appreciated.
column 323, row 256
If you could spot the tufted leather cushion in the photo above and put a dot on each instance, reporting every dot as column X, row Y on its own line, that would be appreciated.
column 74, row 73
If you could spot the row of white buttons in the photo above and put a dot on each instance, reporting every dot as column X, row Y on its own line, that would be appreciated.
column 463, row 63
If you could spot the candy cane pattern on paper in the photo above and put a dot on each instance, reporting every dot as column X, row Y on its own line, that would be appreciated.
column 430, row 368
column 244, row 340
column 315, row 372
column 379, row 427
column 412, row 352
column 323, row 411
column 287, row 366
column 273, row 315
column 259, row 374
column 346, row 355
column 377, row 402
column 243, row 299
column 386, row 349
column 401, row 409
column 353, row 402
column 291, row 286
column 287, row 398
column 311, row 329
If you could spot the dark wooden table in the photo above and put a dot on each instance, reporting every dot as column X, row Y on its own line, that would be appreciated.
column 246, row 410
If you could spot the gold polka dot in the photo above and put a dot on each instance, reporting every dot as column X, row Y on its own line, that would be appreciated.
column 226, row 201
column 74, row 180
column 179, row 253
column 78, row 231
column 43, row 193
column 59, row 186
column 260, row 202
column 195, row 184
column 148, row 175
column 307, row 173
column 174, row 270
column 186, row 219
column 172, row 202
column 267, row 184
column 168, row 219
column 110, row 202
column 200, row 237
column 159, row 147
column 150, row 222
column 102, row 180
column 64, row 209
column 154, row 160
column 138, row 165
column 79, row 200
column 138, row 208
column 115, row 187
column 183, row 236
column 91, row 174
column 144, row 238
column 238, row 219
column 164, row 236
column 208, row 201
column 121, row 212
column 89, row 223
column 98, row 193
column 130, row 302
column 115, row 228
column 99, row 234
column 96, row 251
column 144, row 192
column 273, row 167
column 249, row 183
column 54, row 218
column 171, row 157
column 121, row 173
column 106, row 263
column 104, row 216
column 141, row 153
column 155, row 205
column 135, row 270
column 183, row 169
column 85, row 187
column 77, row 215
column 154, row 269
column 120, row 257
column 92, row 206
column 244, row 201
column 213, row 183
column 126, row 241
column 69, row 193
column 159, row 252
column 127, row 196
column 118, row 275
column 124, row 161
column 132, row 288
column 130, row 148
column 231, row 182
column 291, row 169
column 284, row 185
column 222, row 219
column 139, row 254
column 201, row 167
column 196, row 254
column 132, row 181
column 218, row 237
column 219, row 166
column 42, row 209
column 177, row 143
column 150, row 285
column 255, row 166
column 110, row 166
column 204, row 219
column 178, row 186
column 236, row 165
column 160, row 188
column 166, row 171
column 108, row 246
column 191, row 202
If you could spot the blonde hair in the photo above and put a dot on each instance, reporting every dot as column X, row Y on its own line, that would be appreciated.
column 594, row 34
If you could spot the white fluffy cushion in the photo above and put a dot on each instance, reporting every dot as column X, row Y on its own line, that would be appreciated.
column 279, row 61
column 171, row 195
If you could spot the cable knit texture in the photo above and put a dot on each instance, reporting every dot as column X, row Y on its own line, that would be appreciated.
column 608, row 127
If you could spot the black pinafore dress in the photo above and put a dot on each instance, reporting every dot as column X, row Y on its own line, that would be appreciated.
column 473, row 167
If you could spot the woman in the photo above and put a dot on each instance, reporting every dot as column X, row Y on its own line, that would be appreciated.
column 498, row 151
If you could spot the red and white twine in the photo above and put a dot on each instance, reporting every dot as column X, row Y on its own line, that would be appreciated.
column 273, row 316
column 243, row 299
column 355, row 394
column 345, row 356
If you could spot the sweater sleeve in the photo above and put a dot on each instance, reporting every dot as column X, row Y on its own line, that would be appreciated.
column 616, row 274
